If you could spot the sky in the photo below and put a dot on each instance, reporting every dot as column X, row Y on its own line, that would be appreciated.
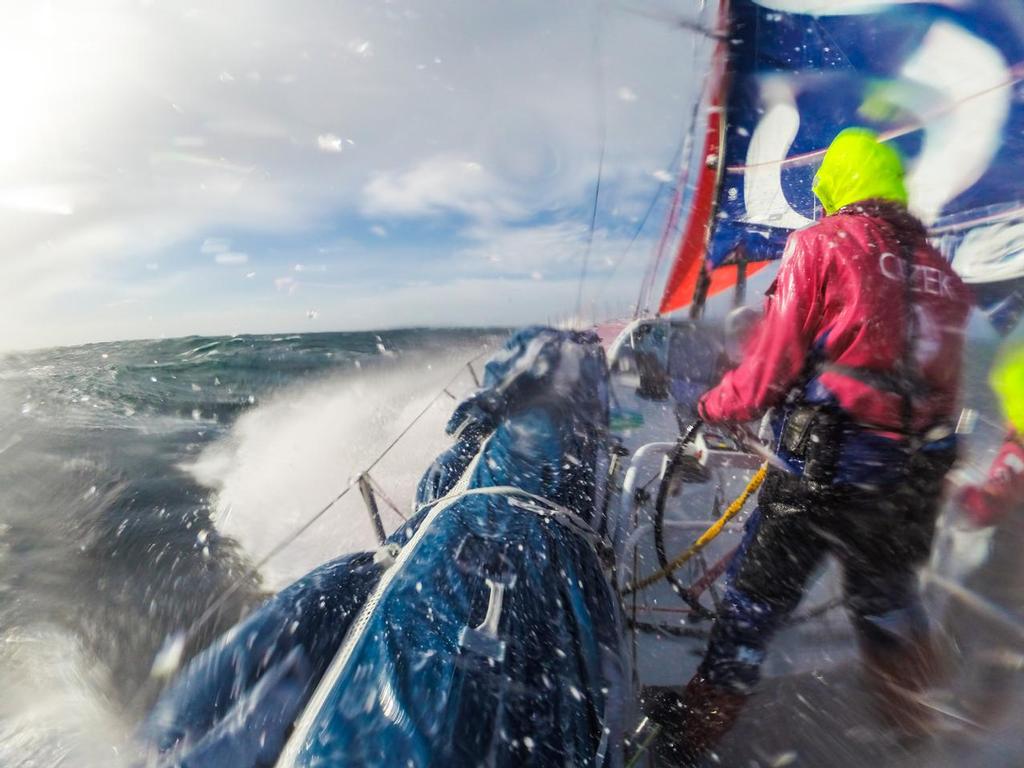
column 245, row 166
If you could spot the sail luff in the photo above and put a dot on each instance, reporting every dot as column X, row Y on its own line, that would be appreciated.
column 689, row 261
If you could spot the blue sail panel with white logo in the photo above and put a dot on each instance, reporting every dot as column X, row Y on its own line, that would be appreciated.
column 941, row 80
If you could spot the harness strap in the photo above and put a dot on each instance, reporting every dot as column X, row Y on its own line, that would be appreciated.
column 906, row 370
column 904, row 380
column 880, row 380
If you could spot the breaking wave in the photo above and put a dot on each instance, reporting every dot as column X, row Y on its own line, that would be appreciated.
column 283, row 461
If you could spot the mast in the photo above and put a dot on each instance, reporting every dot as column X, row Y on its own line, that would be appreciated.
column 689, row 262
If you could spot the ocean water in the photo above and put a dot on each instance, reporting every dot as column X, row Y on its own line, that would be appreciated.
column 140, row 479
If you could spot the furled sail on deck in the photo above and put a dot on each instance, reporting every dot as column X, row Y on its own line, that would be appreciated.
column 941, row 79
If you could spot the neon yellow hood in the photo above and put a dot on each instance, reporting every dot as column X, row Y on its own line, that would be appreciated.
column 1007, row 380
column 856, row 167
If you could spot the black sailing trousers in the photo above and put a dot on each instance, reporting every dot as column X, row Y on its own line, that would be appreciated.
column 880, row 538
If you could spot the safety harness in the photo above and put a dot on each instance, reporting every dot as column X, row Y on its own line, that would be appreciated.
column 906, row 379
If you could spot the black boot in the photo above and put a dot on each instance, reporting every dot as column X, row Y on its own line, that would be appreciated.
column 693, row 723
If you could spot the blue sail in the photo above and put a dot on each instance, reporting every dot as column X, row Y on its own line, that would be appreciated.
column 941, row 80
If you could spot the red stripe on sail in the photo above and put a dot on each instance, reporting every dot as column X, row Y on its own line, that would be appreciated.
column 682, row 279
column 725, row 277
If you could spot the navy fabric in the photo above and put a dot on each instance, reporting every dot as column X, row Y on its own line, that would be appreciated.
column 539, row 364
column 447, row 468
column 866, row 458
column 423, row 685
column 739, row 641
column 426, row 684
column 879, row 548
column 234, row 703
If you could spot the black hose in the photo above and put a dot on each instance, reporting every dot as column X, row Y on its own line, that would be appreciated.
column 675, row 459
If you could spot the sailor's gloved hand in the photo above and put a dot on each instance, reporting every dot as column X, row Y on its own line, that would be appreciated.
column 702, row 409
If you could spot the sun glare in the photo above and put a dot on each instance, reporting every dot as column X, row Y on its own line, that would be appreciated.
column 55, row 68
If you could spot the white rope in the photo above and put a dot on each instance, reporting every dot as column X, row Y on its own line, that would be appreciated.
column 563, row 515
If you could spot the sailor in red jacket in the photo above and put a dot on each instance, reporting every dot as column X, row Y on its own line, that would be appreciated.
column 1002, row 493
column 859, row 353
column 991, row 652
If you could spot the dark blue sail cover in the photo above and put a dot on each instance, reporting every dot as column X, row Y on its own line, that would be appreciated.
column 234, row 704
column 494, row 638
column 940, row 79
column 425, row 678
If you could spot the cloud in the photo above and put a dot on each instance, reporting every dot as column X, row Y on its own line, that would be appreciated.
column 215, row 245
column 286, row 284
column 329, row 142
column 201, row 132
column 441, row 184
column 554, row 251
column 220, row 249
column 363, row 48
column 38, row 199
column 232, row 258
column 522, row 251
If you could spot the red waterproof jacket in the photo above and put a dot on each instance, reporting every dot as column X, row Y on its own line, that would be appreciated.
column 836, row 318
column 1004, row 489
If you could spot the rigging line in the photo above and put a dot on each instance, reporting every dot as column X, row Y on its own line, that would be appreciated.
column 1008, row 215
column 683, row 179
column 831, row 42
column 668, row 231
column 384, row 496
column 643, row 222
column 674, row 20
column 290, row 539
column 602, row 121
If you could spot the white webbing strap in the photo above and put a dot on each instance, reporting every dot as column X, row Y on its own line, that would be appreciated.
column 547, row 508
column 313, row 709
column 544, row 506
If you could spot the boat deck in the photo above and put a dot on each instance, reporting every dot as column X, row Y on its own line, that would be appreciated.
column 668, row 640
column 824, row 718
column 811, row 708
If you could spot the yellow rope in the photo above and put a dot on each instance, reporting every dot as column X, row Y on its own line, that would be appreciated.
column 705, row 538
